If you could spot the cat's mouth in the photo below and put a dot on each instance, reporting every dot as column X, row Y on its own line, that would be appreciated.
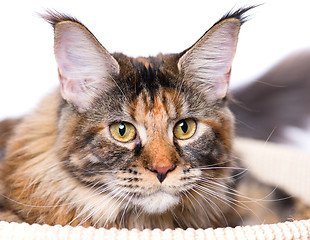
column 157, row 202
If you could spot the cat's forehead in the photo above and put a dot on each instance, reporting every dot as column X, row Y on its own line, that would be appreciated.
column 152, row 108
column 156, row 94
column 150, row 89
column 148, row 75
column 161, row 69
column 146, row 62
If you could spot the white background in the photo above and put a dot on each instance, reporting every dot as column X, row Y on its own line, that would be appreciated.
column 27, row 66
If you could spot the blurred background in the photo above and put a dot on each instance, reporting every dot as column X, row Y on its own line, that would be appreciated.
column 275, row 30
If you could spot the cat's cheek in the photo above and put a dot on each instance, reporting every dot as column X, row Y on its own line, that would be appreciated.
column 157, row 203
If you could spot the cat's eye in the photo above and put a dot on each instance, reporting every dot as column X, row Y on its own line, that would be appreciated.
column 185, row 129
column 123, row 131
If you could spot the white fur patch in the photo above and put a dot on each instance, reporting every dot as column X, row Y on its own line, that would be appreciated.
column 158, row 202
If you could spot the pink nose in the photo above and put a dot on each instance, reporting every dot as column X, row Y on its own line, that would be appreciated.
column 162, row 171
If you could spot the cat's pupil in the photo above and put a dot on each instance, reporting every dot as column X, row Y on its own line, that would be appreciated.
column 184, row 126
column 122, row 129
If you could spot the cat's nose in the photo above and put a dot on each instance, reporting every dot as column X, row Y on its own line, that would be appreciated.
column 162, row 171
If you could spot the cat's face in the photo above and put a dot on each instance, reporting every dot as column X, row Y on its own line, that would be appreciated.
column 147, row 132
column 152, row 141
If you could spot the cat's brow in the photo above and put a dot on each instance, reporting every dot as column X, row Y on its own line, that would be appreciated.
column 160, row 106
column 145, row 62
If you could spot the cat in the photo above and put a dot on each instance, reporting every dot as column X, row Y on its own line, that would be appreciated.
column 135, row 142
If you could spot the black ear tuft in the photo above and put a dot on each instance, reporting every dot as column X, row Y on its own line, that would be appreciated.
column 239, row 14
column 207, row 64
column 53, row 17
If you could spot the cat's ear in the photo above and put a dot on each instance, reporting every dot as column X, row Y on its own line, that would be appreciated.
column 207, row 64
column 85, row 67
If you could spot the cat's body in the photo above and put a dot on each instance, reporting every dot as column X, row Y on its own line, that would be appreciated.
column 135, row 142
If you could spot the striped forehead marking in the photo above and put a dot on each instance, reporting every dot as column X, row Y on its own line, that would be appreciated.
column 145, row 62
column 162, row 106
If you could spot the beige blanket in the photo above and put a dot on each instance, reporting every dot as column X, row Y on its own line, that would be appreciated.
column 277, row 164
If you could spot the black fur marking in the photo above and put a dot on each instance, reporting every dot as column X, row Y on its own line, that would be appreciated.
column 203, row 152
column 138, row 148
column 284, row 204
column 53, row 17
column 178, row 148
column 285, row 201
column 238, row 14
column 150, row 78
column 90, row 136
column 112, row 159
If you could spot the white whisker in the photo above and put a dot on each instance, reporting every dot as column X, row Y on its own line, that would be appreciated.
column 115, row 208
column 227, row 201
column 124, row 210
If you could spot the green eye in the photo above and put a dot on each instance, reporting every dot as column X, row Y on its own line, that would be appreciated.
column 185, row 129
column 123, row 131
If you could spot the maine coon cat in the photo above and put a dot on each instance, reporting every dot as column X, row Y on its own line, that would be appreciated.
column 135, row 142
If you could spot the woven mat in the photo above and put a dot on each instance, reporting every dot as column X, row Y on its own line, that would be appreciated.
column 290, row 230
column 277, row 164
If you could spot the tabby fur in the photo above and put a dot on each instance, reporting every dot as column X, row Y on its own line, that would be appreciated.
column 61, row 165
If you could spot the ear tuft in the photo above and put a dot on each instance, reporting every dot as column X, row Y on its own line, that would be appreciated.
column 207, row 64
column 239, row 14
column 85, row 67
column 53, row 17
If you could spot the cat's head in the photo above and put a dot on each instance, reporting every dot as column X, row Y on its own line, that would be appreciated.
column 148, row 132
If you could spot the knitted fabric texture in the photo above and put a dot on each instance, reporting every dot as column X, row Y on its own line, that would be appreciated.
column 261, row 158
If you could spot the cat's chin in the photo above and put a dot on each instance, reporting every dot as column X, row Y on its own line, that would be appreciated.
column 158, row 202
